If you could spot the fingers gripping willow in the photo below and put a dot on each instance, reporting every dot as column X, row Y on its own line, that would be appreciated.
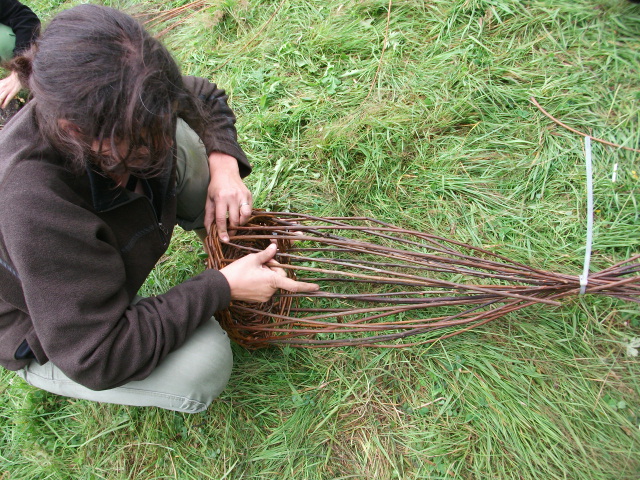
column 385, row 286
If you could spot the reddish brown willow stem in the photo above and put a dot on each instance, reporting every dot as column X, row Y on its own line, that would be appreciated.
column 174, row 12
column 564, row 125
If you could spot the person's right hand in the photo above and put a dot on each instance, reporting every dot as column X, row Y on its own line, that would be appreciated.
column 9, row 88
column 256, row 277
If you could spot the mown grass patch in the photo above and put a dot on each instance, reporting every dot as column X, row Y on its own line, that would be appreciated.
column 419, row 116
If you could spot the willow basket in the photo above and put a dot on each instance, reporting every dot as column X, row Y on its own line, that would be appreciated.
column 387, row 286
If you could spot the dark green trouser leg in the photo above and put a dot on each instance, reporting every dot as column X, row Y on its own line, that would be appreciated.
column 7, row 43
column 192, row 178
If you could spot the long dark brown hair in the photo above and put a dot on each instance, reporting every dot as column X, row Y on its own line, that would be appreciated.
column 97, row 75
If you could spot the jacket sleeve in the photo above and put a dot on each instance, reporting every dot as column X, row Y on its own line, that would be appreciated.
column 72, row 277
column 24, row 23
column 218, row 133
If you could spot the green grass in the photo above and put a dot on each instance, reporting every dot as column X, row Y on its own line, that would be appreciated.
column 434, row 132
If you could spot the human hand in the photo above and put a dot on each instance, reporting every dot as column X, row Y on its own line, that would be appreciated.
column 227, row 195
column 9, row 88
column 256, row 277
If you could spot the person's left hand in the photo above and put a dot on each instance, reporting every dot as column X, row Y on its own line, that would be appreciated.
column 227, row 195
column 9, row 88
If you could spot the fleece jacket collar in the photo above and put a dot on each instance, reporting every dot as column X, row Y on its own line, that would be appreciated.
column 106, row 195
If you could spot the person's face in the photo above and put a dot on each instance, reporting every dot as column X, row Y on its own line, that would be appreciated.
column 134, row 161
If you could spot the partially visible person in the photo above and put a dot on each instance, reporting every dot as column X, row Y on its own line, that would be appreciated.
column 19, row 27
column 113, row 149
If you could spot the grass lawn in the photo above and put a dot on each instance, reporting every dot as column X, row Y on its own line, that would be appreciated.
column 418, row 113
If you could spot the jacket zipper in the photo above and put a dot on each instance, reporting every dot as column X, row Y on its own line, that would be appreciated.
column 162, row 230
column 164, row 234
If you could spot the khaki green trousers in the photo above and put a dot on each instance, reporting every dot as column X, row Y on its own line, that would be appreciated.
column 189, row 378
column 7, row 42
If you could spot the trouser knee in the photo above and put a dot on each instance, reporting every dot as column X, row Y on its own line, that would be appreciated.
column 192, row 175
column 209, row 376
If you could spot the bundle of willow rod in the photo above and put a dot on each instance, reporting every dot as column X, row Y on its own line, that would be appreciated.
column 381, row 284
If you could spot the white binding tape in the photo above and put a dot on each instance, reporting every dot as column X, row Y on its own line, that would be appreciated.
column 584, row 278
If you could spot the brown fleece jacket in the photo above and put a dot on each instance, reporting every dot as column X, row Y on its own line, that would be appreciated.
column 75, row 249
